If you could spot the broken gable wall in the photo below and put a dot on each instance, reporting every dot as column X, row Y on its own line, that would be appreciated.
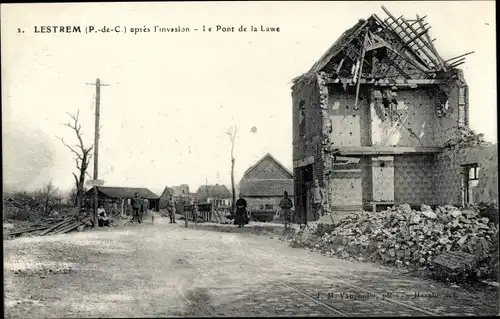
column 310, row 143
column 448, row 171
column 307, row 147
column 449, row 175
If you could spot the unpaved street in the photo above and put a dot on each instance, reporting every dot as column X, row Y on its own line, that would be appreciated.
column 167, row 270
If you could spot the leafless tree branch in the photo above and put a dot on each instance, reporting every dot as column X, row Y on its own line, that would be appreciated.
column 232, row 137
column 82, row 155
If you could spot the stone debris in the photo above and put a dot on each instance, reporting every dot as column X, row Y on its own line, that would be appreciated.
column 400, row 236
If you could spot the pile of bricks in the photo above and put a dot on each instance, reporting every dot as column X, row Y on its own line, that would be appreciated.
column 404, row 237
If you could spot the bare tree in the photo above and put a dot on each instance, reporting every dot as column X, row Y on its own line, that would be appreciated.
column 232, row 131
column 82, row 156
column 48, row 197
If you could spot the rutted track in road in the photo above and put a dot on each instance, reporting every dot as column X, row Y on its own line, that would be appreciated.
column 337, row 311
column 373, row 293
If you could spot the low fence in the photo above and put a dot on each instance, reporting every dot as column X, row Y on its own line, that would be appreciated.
column 208, row 212
column 262, row 215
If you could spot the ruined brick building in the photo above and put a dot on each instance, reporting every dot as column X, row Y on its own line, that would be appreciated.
column 374, row 118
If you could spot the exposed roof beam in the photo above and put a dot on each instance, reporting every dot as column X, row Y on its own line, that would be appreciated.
column 423, row 48
column 431, row 45
column 385, row 150
column 460, row 56
column 390, row 82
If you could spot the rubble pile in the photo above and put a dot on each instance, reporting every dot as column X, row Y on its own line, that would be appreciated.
column 68, row 222
column 404, row 237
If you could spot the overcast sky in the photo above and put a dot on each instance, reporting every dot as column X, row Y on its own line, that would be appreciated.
column 172, row 96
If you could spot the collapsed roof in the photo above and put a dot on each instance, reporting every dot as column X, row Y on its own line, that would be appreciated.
column 394, row 48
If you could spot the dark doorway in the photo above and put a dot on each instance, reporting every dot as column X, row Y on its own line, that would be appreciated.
column 307, row 178
column 470, row 180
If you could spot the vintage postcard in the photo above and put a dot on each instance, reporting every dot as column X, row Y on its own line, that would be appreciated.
column 236, row 159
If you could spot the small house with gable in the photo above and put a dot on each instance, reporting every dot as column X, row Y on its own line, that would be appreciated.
column 264, row 184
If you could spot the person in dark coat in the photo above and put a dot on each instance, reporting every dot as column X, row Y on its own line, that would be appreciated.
column 241, row 217
column 136, row 206
column 286, row 206
column 171, row 209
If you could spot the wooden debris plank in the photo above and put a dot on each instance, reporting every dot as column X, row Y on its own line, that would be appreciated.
column 53, row 227
column 66, row 223
column 67, row 228
column 26, row 230
column 452, row 261
column 86, row 220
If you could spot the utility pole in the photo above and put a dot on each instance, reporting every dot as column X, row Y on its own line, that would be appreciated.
column 98, row 85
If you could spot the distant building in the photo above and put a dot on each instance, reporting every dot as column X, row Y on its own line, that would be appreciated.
column 217, row 194
column 107, row 195
column 165, row 195
column 264, row 183
column 181, row 191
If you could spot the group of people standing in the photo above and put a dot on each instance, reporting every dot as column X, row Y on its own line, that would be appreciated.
column 241, row 216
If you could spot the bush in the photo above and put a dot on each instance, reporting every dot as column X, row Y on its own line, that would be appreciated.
column 21, row 214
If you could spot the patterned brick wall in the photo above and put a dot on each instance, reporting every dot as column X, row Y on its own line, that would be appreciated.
column 448, row 179
column 414, row 179
column 383, row 178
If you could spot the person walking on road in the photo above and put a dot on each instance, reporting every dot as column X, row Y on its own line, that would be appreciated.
column 286, row 206
column 171, row 209
column 241, row 218
column 196, row 212
column 136, row 206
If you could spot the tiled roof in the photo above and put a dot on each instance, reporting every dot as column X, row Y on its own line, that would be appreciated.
column 124, row 192
column 268, row 155
column 213, row 191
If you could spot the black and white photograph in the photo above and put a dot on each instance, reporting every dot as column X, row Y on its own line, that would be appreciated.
column 249, row 159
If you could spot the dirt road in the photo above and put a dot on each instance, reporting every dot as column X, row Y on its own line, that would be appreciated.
column 167, row 270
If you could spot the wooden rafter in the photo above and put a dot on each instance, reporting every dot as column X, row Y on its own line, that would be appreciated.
column 407, row 34
column 460, row 56
column 431, row 45
column 417, row 59
column 424, row 48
